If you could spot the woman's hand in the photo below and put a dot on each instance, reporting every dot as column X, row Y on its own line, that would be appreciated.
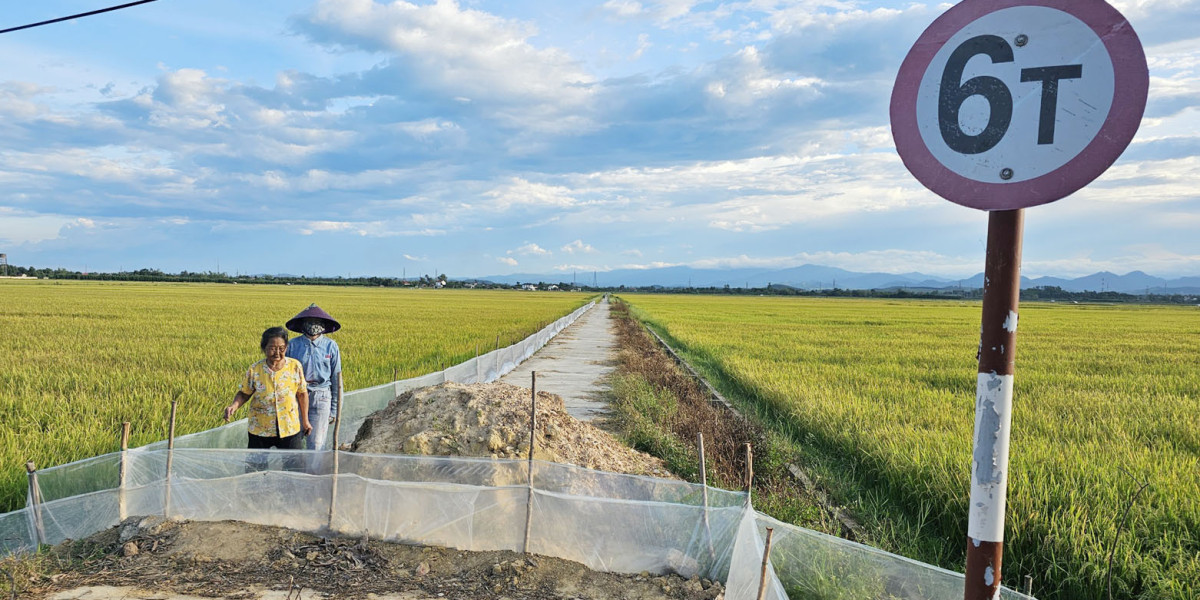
column 229, row 410
column 305, row 426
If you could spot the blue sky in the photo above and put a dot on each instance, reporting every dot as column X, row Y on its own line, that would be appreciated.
column 356, row 137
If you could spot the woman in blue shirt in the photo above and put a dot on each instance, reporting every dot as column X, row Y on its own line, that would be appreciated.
column 322, row 363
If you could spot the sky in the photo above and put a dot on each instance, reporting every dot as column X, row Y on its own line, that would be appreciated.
column 472, row 138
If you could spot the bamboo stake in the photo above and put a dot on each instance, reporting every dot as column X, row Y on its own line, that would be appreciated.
column 749, row 470
column 497, row 341
column 35, row 499
column 170, row 460
column 712, row 554
column 123, row 473
column 762, row 575
column 337, row 428
column 1028, row 585
column 532, row 430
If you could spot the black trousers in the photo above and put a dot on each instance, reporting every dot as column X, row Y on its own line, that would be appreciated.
column 291, row 462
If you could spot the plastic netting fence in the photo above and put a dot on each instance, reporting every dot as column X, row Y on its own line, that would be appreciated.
column 607, row 521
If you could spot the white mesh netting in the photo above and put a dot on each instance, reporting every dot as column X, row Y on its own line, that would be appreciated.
column 607, row 521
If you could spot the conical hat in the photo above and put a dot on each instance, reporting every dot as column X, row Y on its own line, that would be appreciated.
column 313, row 312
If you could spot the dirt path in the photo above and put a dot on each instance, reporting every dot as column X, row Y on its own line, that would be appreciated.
column 576, row 364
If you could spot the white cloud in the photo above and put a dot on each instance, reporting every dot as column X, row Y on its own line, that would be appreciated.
column 17, row 99
column 643, row 45
column 1154, row 259
column 21, row 227
column 186, row 99
column 749, row 81
column 378, row 229
column 462, row 52
column 881, row 261
column 578, row 246
column 316, row 226
column 105, row 163
column 519, row 192
column 530, row 249
column 318, row 180
column 508, row 260
column 624, row 8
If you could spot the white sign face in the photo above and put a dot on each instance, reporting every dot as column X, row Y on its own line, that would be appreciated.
column 1006, row 104
column 1015, row 94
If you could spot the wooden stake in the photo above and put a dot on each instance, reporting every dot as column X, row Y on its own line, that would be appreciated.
column 478, row 375
column 749, row 470
column 35, row 500
column 712, row 554
column 762, row 576
column 497, row 341
column 532, row 430
column 337, row 428
column 1029, row 585
column 123, row 473
column 170, row 460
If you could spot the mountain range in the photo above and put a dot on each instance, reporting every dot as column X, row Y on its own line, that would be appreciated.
column 820, row 277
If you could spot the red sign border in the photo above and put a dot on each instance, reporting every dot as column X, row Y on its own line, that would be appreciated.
column 1131, row 85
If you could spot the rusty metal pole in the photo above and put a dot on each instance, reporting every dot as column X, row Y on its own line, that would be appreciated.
column 123, row 473
column 532, row 429
column 993, row 404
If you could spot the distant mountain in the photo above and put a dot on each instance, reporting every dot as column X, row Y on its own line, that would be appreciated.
column 812, row 277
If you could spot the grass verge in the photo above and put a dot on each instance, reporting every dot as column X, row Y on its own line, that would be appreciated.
column 660, row 409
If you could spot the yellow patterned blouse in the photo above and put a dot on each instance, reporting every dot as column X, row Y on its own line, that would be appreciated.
column 274, row 410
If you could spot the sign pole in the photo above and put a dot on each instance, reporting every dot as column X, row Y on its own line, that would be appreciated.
column 1001, row 105
column 993, row 403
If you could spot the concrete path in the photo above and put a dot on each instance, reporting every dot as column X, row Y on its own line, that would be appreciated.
column 576, row 364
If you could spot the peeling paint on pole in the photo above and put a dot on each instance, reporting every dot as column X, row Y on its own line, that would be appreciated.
column 1010, row 322
column 989, row 469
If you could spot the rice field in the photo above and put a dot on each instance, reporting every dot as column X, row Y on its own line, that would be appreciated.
column 878, row 397
column 79, row 358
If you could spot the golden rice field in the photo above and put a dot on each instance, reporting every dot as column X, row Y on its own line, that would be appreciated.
column 878, row 396
column 81, row 357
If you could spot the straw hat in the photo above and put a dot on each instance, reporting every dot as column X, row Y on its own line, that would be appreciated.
column 313, row 312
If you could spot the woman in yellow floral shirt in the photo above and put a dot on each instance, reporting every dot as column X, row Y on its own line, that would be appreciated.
column 278, row 397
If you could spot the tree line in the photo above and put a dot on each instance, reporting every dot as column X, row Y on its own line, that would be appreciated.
column 1042, row 293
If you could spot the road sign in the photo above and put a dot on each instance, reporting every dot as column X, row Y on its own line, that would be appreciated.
column 1006, row 104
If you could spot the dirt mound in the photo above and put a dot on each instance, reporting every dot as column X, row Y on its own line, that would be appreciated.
column 152, row 558
column 492, row 419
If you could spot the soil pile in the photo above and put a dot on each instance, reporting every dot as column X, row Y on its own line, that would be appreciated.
column 147, row 557
column 492, row 420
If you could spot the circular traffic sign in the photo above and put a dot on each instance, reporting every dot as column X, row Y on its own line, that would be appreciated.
column 1005, row 104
